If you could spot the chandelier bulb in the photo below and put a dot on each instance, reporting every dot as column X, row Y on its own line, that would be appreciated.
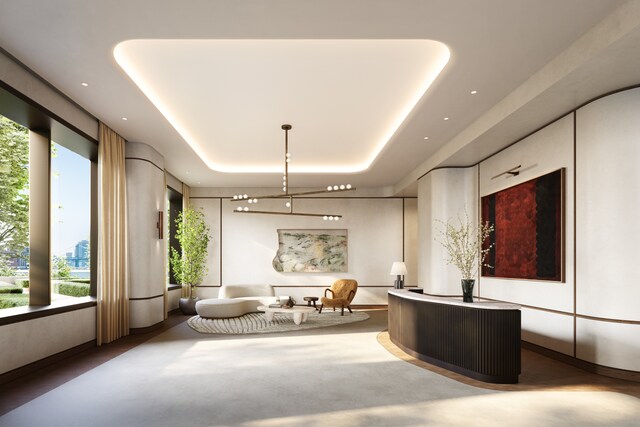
column 235, row 197
column 246, row 209
column 342, row 187
column 288, row 204
column 325, row 217
column 239, row 208
column 245, row 196
column 250, row 201
column 255, row 200
column 329, row 188
column 336, row 218
column 335, row 187
column 348, row 186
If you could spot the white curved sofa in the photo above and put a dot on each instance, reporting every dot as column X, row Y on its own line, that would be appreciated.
column 236, row 300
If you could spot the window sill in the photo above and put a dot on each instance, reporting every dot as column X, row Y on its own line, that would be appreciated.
column 20, row 314
column 174, row 287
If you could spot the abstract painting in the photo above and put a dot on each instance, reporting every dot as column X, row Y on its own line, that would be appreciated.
column 311, row 251
column 528, row 236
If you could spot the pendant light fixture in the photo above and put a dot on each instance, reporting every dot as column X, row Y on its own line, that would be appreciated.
column 286, row 195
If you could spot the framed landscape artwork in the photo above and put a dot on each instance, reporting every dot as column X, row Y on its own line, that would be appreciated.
column 311, row 251
column 528, row 240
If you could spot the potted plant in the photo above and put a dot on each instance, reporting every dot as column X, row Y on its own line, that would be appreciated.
column 463, row 243
column 189, row 265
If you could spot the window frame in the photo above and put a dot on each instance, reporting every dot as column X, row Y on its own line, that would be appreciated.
column 50, row 127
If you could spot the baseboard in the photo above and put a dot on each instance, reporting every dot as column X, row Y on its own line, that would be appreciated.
column 621, row 374
column 42, row 363
column 147, row 329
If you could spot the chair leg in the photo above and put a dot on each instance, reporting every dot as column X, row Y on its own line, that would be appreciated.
column 334, row 308
column 321, row 307
column 349, row 307
column 342, row 311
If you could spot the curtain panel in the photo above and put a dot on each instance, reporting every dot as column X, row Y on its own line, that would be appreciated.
column 113, row 286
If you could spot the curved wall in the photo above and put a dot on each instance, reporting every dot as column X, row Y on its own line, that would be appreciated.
column 593, row 315
column 145, row 198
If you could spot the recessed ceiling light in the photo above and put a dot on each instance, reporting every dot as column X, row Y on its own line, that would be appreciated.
column 446, row 118
column 125, row 119
column 426, row 137
column 84, row 84
column 473, row 92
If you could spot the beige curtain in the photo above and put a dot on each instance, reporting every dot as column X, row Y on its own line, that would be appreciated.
column 186, row 194
column 113, row 298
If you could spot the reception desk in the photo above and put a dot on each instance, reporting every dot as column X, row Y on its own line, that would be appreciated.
column 480, row 340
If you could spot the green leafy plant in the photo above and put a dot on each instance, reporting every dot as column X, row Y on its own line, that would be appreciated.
column 72, row 289
column 463, row 240
column 61, row 269
column 14, row 189
column 193, row 233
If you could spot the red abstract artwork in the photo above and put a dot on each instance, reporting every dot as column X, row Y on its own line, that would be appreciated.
column 527, row 236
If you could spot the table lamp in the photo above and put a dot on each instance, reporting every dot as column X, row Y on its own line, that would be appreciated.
column 398, row 269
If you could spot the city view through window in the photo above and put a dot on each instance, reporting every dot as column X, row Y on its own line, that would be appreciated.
column 70, row 223
column 70, row 216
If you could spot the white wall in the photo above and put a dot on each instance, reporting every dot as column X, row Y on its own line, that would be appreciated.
column 146, row 195
column 29, row 341
column 594, row 313
column 247, row 244
column 443, row 194
column 608, row 229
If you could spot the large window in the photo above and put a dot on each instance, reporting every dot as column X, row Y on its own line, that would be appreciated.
column 70, row 224
column 14, row 214
column 174, row 202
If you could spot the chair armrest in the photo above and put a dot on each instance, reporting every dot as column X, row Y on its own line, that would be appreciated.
column 352, row 294
column 329, row 290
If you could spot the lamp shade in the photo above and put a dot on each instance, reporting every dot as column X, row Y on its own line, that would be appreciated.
column 398, row 269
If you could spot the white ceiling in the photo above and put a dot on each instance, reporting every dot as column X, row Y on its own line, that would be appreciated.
column 228, row 98
column 495, row 46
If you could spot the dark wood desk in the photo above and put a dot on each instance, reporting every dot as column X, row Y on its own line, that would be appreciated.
column 480, row 340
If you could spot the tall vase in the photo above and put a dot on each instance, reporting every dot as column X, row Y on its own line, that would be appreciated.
column 467, row 289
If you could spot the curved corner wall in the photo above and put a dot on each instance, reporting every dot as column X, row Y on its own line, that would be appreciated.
column 608, row 231
column 145, row 198
column 594, row 315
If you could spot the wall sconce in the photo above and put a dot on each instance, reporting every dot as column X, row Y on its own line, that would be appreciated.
column 398, row 269
column 160, row 225
column 513, row 172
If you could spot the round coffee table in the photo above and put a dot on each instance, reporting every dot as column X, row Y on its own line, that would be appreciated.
column 299, row 314
column 311, row 300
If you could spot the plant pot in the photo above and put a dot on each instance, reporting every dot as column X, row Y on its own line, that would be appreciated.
column 467, row 289
column 188, row 305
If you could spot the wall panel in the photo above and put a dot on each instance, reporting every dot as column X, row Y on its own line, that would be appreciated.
column 608, row 206
column 545, row 151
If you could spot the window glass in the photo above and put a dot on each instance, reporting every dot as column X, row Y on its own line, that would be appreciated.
column 70, row 224
column 174, row 202
column 14, row 214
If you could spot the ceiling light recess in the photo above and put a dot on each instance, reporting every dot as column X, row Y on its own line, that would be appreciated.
column 286, row 194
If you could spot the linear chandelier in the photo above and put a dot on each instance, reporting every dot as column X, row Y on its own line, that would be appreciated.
column 286, row 195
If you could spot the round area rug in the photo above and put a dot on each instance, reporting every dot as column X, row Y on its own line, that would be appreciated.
column 255, row 323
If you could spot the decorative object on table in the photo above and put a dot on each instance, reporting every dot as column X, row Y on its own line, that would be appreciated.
column 400, row 270
column 299, row 314
column 189, row 265
column 289, row 303
column 311, row 251
column 463, row 242
column 286, row 195
column 340, row 295
column 311, row 300
column 256, row 323
column 528, row 235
